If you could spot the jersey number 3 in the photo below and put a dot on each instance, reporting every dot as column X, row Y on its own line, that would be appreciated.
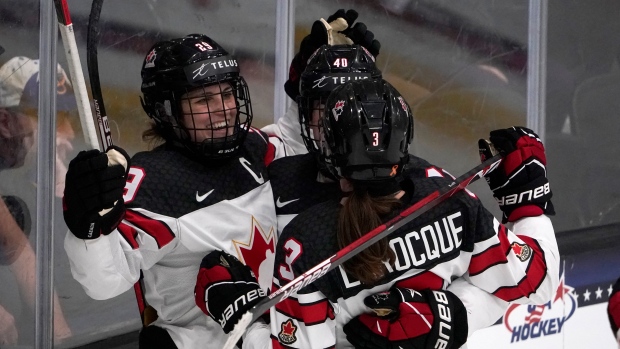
column 293, row 251
column 134, row 179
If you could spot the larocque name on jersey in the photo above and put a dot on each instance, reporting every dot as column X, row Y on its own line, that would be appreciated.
column 427, row 244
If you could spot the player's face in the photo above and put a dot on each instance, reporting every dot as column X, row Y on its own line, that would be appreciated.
column 209, row 112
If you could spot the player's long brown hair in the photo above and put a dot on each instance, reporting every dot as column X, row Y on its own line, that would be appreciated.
column 360, row 214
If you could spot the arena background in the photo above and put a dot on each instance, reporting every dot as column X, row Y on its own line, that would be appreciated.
column 465, row 67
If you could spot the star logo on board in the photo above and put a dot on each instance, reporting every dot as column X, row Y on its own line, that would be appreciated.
column 562, row 290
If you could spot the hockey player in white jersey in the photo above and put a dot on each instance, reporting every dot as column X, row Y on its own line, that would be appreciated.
column 204, row 188
column 369, row 128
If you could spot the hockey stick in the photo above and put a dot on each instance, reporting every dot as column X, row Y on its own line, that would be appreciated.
column 92, row 40
column 147, row 313
column 360, row 244
column 77, row 75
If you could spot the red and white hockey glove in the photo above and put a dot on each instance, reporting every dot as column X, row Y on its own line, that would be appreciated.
column 93, row 198
column 408, row 319
column 226, row 289
column 613, row 310
column 337, row 29
column 520, row 183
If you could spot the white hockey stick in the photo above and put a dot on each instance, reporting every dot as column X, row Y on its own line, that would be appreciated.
column 360, row 244
column 77, row 75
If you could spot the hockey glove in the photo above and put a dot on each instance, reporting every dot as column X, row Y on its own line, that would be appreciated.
column 337, row 29
column 613, row 310
column 93, row 198
column 520, row 183
column 408, row 319
column 226, row 289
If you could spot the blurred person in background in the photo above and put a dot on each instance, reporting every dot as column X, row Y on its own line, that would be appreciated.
column 19, row 84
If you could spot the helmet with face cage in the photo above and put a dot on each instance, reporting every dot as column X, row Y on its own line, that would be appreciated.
column 176, row 75
column 367, row 129
column 329, row 67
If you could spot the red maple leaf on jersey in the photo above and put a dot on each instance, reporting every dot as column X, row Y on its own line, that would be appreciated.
column 254, row 252
column 287, row 332
column 522, row 251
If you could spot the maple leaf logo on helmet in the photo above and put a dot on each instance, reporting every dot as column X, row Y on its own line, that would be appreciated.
column 337, row 109
column 150, row 59
column 403, row 104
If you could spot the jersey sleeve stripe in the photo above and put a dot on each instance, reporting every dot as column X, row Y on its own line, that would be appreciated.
column 309, row 313
column 158, row 230
column 535, row 274
column 492, row 255
column 129, row 234
column 421, row 281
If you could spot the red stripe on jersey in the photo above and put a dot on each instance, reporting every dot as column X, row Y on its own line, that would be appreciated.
column 137, row 287
column 309, row 313
column 496, row 254
column 422, row 281
column 270, row 154
column 535, row 274
column 129, row 234
column 158, row 230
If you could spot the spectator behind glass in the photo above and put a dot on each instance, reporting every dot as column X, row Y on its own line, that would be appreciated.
column 19, row 85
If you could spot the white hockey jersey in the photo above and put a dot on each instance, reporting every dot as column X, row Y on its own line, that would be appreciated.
column 458, row 239
column 178, row 211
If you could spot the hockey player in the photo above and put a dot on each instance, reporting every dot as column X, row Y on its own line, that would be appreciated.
column 368, row 128
column 302, row 181
column 205, row 188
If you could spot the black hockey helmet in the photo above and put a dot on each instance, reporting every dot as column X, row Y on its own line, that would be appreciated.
column 367, row 129
column 329, row 67
column 191, row 64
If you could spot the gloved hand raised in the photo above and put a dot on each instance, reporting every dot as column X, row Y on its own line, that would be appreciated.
column 226, row 289
column 408, row 319
column 93, row 198
column 337, row 29
column 520, row 183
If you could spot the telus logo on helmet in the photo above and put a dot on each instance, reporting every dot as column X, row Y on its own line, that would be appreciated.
column 219, row 65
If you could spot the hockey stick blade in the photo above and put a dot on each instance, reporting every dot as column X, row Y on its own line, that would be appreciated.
column 76, row 72
column 360, row 244
column 92, row 40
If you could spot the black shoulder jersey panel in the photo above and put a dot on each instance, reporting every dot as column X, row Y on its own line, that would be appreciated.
column 172, row 184
column 437, row 236
column 295, row 186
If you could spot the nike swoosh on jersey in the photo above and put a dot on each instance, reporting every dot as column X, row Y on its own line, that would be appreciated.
column 281, row 204
column 200, row 198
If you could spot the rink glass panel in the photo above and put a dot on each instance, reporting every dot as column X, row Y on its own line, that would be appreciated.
column 461, row 66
